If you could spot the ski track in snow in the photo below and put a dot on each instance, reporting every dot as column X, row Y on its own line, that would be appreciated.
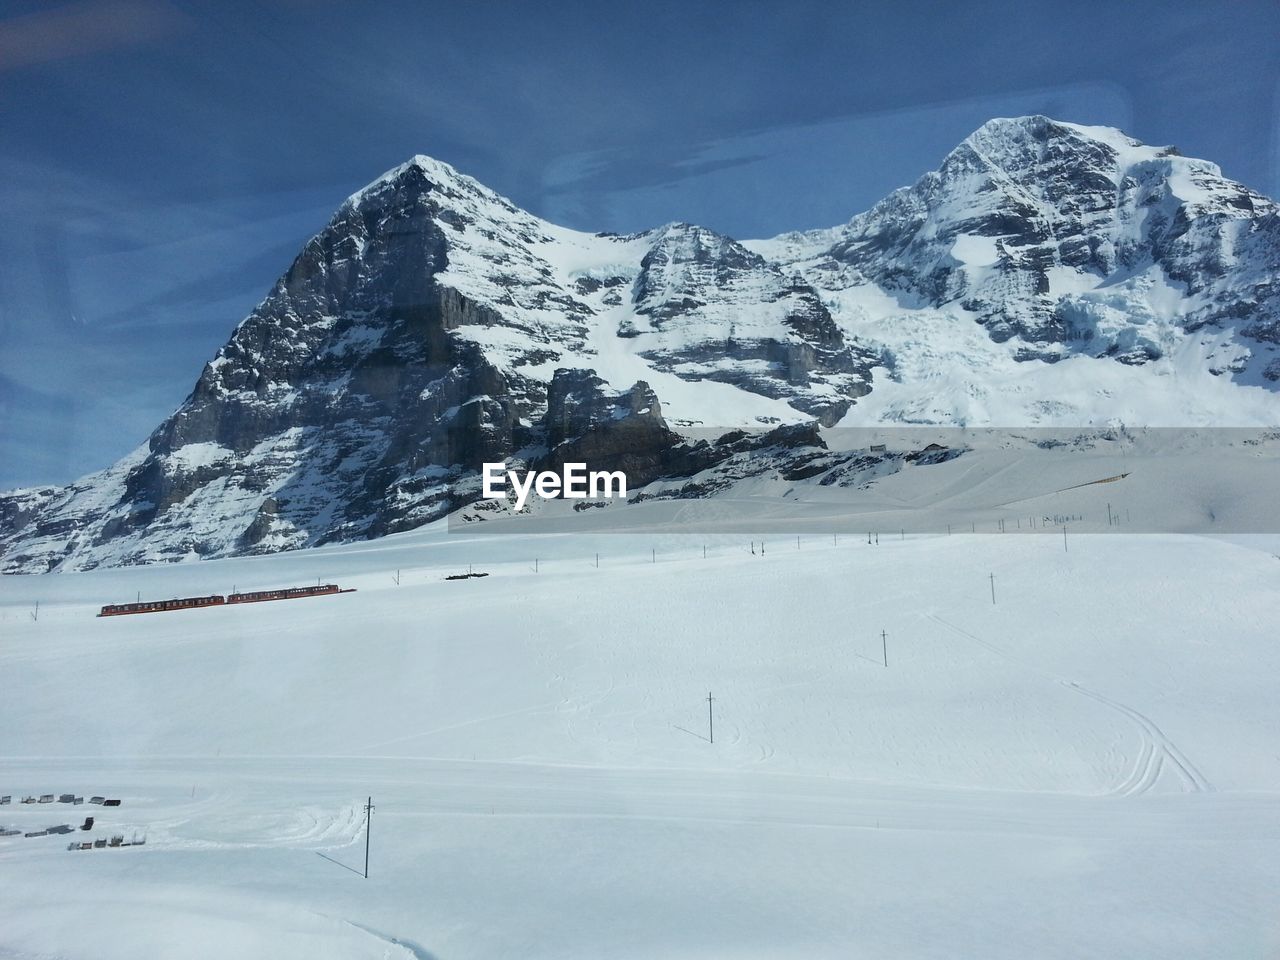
column 1155, row 746
column 1156, row 749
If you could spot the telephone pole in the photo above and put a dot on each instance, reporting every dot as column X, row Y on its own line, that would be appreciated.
column 368, row 822
column 711, row 723
column 884, row 646
column 992, row 578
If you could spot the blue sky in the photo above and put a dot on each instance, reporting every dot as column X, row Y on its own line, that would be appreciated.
column 161, row 161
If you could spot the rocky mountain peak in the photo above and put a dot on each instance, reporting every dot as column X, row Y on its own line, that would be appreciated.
column 432, row 326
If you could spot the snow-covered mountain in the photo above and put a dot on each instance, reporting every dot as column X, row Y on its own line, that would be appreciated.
column 1046, row 273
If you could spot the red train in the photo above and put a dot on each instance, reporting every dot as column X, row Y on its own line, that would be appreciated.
column 187, row 603
column 155, row 606
column 291, row 593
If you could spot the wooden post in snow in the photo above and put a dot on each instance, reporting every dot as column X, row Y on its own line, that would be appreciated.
column 368, row 822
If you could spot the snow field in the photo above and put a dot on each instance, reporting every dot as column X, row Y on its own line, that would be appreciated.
column 1084, row 768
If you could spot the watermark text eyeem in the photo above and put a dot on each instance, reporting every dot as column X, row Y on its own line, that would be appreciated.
column 574, row 482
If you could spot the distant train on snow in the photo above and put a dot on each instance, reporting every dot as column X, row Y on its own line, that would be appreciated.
column 187, row 603
column 290, row 593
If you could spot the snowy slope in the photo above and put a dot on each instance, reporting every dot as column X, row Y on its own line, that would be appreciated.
column 1098, row 743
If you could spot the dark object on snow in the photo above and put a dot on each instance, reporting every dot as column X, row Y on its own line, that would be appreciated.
column 465, row 576
column 88, row 824
column 37, row 833
column 96, row 799
column 99, row 844
column 111, row 803
column 46, row 798
column 62, row 828
column 7, row 798
column 66, row 798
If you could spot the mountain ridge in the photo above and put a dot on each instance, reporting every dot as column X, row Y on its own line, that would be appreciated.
column 1046, row 273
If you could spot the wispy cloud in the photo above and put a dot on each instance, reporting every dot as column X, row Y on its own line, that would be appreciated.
column 78, row 29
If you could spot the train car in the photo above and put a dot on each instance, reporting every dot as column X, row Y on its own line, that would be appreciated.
column 157, row 606
column 186, row 603
column 290, row 593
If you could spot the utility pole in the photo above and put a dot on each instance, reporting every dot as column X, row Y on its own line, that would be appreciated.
column 36, row 615
column 1108, row 514
column 992, row 578
column 535, row 564
column 1064, row 539
column 368, row 822
column 711, row 723
column 597, row 561
column 884, row 646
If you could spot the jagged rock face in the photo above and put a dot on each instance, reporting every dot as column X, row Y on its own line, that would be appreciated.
column 585, row 424
column 727, row 314
column 433, row 326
